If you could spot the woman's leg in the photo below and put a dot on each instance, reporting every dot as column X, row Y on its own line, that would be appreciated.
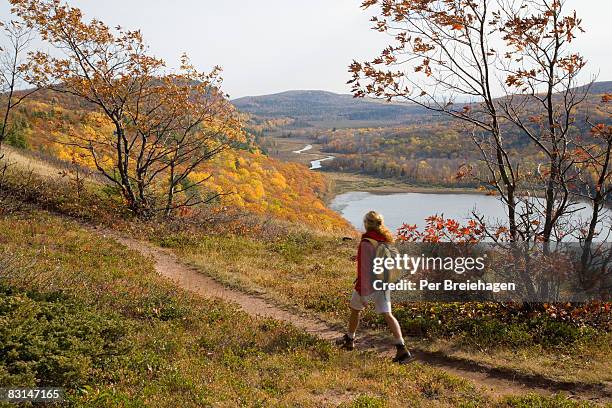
column 357, row 304
column 347, row 342
column 402, row 354
column 395, row 328
column 353, row 322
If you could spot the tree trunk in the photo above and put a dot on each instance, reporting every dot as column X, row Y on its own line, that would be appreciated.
column 170, row 196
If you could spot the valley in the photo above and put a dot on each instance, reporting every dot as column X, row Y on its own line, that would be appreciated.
column 164, row 245
column 417, row 147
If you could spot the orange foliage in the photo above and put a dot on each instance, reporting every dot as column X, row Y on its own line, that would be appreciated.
column 440, row 229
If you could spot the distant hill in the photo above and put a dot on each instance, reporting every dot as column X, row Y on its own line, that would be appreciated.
column 325, row 106
column 602, row 87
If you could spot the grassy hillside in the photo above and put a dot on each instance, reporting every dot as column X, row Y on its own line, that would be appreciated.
column 90, row 315
column 315, row 275
column 313, row 272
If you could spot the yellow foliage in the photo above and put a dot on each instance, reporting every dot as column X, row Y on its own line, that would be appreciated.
column 261, row 184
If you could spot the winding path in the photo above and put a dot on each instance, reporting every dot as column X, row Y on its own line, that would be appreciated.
column 493, row 381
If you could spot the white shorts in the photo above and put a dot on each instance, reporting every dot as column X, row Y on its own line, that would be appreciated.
column 381, row 299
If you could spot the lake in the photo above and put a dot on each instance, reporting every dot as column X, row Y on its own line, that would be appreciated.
column 413, row 208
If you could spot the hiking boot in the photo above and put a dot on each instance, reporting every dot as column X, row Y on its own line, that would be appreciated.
column 346, row 343
column 402, row 355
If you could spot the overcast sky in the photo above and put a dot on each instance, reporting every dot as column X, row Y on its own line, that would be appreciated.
column 269, row 46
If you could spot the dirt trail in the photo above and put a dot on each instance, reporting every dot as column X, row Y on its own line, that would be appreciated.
column 496, row 382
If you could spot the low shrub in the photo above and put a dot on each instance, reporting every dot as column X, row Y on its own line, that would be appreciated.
column 50, row 340
column 490, row 325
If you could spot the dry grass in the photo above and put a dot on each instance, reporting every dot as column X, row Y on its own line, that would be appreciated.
column 14, row 157
column 312, row 273
column 588, row 363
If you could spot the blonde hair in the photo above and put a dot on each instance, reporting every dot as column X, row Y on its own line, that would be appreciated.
column 373, row 221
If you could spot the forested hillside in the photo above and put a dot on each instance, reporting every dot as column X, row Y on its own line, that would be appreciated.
column 243, row 178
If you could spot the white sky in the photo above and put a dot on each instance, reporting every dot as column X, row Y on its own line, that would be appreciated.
column 269, row 46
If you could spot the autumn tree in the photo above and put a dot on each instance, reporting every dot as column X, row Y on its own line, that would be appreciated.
column 165, row 123
column 13, row 68
column 596, row 165
column 498, row 67
column 595, row 176
column 542, row 97
column 434, row 38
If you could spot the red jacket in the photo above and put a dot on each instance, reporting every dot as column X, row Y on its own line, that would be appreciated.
column 365, row 258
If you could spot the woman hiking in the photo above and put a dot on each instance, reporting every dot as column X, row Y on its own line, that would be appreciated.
column 376, row 233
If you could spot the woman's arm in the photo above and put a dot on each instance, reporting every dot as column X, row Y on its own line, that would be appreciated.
column 367, row 252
